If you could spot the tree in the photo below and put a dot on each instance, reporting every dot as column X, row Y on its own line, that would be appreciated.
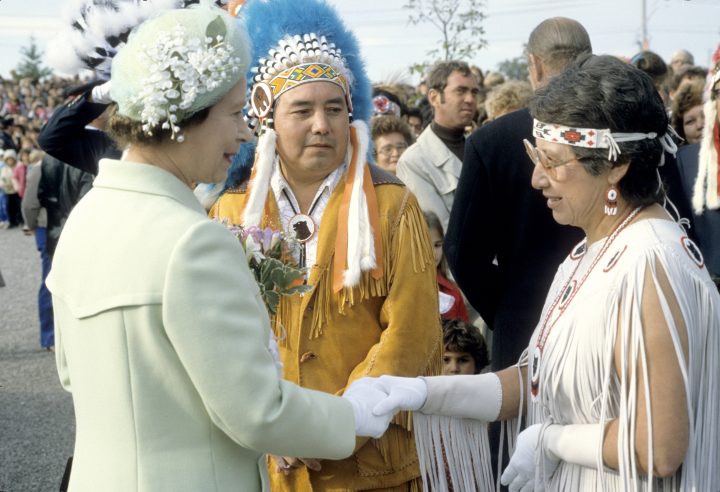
column 459, row 22
column 31, row 65
column 514, row 68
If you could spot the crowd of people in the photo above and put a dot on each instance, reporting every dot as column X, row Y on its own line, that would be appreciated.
column 503, row 281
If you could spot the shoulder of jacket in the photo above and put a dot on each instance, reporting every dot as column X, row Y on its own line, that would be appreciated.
column 381, row 177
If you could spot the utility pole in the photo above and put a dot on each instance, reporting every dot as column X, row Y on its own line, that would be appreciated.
column 645, row 44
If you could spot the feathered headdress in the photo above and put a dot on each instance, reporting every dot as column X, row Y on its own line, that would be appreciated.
column 706, row 192
column 296, row 43
column 97, row 29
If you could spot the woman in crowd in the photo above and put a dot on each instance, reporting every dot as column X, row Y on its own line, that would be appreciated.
column 688, row 118
column 620, row 371
column 506, row 98
column 391, row 137
column 162, row 336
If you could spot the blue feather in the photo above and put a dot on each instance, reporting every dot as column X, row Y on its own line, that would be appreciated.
column 267, row 22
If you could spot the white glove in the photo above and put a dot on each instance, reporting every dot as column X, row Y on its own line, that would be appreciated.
column 402, row 394
column 363, row 396
column 101, row 93
column 519, row 475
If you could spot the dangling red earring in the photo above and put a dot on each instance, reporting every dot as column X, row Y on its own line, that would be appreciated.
column 611, row 201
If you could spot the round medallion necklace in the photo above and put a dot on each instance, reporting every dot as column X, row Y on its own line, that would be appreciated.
column 563, row 300
column 302, row 225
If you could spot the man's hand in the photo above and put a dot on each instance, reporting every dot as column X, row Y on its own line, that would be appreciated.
column 364, row 396
column 101, row 93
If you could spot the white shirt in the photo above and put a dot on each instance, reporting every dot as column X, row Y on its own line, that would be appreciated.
column 290, row 208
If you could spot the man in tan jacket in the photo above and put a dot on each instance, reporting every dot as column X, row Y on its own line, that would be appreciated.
column 373, row 308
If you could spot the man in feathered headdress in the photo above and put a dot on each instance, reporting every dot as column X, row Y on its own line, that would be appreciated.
column 373, row 305
column 699, row 166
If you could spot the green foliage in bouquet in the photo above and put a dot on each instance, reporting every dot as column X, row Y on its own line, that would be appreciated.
column 270, row 258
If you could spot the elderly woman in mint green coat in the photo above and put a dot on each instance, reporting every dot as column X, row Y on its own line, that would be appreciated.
column 162, row 336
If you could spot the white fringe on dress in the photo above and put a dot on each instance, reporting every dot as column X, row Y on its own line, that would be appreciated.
column 461, row 444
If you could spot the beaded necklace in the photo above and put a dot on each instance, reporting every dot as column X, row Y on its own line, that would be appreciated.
column 546, row 326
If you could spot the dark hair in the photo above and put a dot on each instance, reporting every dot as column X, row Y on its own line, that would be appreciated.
column 440, row 72
column 126, row 131
column 459, row 336
column 652, row 64
column 382, row 125
column 604, row 92
column 689, row 95
column 558, row 41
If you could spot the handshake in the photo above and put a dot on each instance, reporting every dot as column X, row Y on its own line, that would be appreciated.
column 375, row 401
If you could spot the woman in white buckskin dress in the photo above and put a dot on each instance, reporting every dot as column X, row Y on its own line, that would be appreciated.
column 619, row 383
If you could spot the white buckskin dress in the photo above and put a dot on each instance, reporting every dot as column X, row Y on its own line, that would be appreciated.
column 578, row 383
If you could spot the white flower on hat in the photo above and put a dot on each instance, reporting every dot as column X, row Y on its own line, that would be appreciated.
column 181, row 68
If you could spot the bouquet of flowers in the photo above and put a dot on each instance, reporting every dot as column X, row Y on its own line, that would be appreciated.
column 269, row 255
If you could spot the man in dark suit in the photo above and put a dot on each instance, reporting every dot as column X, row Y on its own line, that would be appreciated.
column 75, row 132
column 502, row 244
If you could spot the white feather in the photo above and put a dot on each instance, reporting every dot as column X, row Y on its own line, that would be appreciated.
column 260, row 184
column 99, row 22
column 705, row 189
column 361, row 247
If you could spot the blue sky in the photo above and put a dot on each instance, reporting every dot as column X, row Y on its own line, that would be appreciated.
column 389, row 44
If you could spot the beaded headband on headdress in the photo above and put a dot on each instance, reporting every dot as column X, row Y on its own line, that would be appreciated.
column 592, row 138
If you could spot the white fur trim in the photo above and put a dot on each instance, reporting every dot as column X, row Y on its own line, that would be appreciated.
column 260, row 184
column 208, row 193
column 705, row 189
column 361, row 245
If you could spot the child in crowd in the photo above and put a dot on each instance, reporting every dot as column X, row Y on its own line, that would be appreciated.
column 465, row 350
column 452, row 304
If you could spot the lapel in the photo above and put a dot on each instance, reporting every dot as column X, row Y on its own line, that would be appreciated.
column 438, row 153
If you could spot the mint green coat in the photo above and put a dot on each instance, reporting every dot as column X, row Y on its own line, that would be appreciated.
column 161, row 337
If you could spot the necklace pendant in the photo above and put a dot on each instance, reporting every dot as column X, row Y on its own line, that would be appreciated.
column 535, row 361
column 303, row 227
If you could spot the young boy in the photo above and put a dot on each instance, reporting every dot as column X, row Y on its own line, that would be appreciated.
column 465, row 348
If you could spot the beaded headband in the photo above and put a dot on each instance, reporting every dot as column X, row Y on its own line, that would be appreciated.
column 592, row 138
column 264, row 94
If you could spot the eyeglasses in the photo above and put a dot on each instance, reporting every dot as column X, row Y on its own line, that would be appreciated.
column 387, row 150
column 537, row 156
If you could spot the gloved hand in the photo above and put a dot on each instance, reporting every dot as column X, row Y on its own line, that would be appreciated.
column 519, row 475
column 101, row 93
column 402, row 394
column 363, row 396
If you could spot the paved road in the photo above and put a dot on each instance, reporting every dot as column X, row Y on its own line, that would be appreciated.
column 36, row 416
